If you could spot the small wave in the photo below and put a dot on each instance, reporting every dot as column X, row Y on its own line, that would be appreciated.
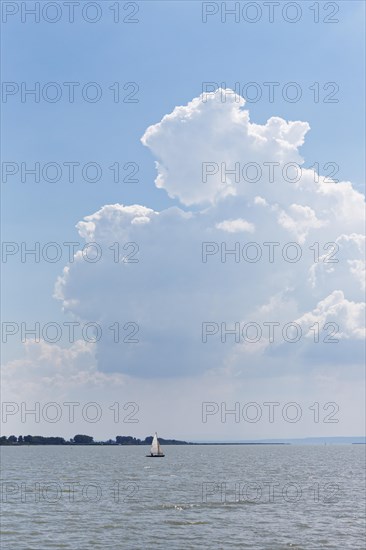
column 174, row 522
column 179, row 506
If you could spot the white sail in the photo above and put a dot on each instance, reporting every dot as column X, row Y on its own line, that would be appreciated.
column 160, row 450
column 155, row 445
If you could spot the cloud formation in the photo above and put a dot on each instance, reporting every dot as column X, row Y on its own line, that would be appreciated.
column 210, row 131
column 202, row 266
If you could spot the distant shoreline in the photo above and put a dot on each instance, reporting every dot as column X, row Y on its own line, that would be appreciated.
column 103, row 444
column 130, row 441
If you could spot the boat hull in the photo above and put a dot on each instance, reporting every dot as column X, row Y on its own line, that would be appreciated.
column 155, row 456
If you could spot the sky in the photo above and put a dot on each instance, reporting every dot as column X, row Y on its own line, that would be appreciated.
column 155, row 129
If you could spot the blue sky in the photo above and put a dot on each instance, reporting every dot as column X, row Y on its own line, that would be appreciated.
column 170, row 52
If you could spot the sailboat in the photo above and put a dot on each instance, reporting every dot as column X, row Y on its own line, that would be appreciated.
column 156, row 450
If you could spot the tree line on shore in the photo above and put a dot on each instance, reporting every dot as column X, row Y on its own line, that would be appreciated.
column 81, row 439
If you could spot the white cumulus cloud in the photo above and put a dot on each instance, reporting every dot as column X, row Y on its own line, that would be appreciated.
column 202, row 266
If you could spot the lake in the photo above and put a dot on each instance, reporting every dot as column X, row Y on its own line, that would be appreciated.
column 219, row 497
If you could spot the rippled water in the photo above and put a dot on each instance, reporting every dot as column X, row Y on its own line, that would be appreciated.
column 258, row 497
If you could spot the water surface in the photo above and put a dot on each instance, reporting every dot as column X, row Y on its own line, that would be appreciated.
column 219, row 497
